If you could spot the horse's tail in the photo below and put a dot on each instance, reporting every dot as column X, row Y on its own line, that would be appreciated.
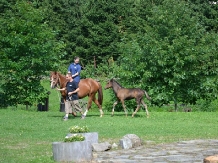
column 100, row 94
column 147, row 96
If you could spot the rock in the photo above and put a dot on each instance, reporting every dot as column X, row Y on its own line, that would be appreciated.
column 135, row 140
column 211, row 159
column 100, row 147
column 114, row 146
column 125, row 143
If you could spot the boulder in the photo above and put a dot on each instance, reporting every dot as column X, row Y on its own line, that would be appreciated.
column 211, row 159
column 100, row 147
column 130, row 141
column 125, row 143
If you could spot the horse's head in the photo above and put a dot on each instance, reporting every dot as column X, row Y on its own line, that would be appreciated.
column 54, row 79
column 109, row 84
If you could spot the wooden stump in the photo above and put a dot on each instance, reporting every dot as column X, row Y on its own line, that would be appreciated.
column 211, row 159
column 79, row 151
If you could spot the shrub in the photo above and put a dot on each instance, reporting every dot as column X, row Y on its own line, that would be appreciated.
column 77, row 129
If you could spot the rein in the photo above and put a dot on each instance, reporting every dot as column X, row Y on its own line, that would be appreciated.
column 58, row 84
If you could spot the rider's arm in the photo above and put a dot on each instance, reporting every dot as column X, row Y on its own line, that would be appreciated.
column 78, row 71
column 75, row 74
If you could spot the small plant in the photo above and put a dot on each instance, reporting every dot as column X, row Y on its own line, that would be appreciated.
column 74, row 137
column 77, row 129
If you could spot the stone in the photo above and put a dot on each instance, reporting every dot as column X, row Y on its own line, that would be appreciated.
column 211, row 159
column 100, row 147
column 136, row 141
column 125, row 143
column 114, row 146
column 92, row 137
column 79, row 151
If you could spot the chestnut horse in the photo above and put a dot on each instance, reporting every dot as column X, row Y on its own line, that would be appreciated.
column 87, row 87
column 127, row 94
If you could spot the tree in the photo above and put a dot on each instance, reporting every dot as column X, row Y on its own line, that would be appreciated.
column 175, row 58
column 89, row 28
column 28, row 49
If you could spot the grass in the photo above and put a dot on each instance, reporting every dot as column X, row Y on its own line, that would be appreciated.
column 27, row 136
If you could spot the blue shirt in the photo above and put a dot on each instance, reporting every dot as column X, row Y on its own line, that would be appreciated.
column 74, row 68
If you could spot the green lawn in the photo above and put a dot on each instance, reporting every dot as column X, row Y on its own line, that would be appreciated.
column 27, row 136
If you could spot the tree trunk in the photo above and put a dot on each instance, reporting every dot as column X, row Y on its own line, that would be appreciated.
column 175, row 105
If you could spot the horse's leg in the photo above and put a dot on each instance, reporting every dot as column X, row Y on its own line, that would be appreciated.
column 137, row 108
column 124, row 107
column 146, row 108
column 99, row 106
column 112, row 114
column 88, row 105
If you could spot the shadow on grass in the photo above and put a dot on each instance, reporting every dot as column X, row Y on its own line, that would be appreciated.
column 97, row 114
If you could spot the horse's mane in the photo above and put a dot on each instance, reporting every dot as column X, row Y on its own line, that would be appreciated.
column 60, row 74
column 113, row 80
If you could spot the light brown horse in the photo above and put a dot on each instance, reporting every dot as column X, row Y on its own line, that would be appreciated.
column 87, row 87
column 127, row 94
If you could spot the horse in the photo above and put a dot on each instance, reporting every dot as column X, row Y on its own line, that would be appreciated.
column 87, row 87
column 123, row 94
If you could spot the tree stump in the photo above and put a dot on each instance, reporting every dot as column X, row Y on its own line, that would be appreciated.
column 79, row 151
column 211, row 159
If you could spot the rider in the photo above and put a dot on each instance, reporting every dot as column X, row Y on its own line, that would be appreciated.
column 75, row 70
column 72, row 99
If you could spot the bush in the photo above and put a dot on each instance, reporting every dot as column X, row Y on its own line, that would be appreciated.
column 206, row 106
column 104, row 69
column 77, row 129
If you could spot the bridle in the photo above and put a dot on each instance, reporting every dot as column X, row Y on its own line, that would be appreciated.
column 54, row 83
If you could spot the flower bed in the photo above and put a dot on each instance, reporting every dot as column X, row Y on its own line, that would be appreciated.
column 77, row 129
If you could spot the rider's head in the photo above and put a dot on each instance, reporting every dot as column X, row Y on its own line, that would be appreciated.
column 76, row 59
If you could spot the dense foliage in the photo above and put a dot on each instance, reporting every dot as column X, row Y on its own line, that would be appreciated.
column 28, row 49
column 167, row 47
column 175, row 58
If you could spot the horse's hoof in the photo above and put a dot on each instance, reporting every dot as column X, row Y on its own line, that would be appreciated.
column 112, row 115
